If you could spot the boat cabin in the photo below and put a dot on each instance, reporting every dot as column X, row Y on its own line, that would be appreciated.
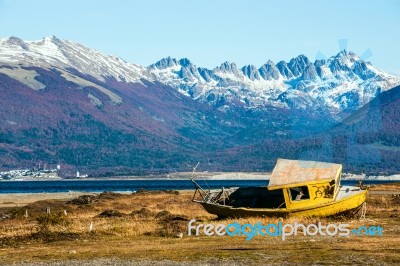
column 305, row 183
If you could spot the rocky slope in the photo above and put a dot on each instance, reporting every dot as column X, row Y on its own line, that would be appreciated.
column 66, row 103
column 338, row 85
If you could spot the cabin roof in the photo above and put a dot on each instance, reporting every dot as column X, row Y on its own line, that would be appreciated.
column 292, row 172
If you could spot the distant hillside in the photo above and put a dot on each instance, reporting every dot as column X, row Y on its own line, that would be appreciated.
column 64, row 103
column 371, row 136
column 366, row 142
column 152, row 128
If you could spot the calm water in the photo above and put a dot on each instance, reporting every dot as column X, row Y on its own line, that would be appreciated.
column 129, row 185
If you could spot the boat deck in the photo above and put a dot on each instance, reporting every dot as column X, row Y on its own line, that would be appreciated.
column 346, row 191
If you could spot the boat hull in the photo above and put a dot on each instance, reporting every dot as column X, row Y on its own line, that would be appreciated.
column 342, row 206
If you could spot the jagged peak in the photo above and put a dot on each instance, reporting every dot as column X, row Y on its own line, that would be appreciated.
column 13, row 41
column 319, row 62
column 269, row 63
column 269, row 71
column 300, row 58
column 249, row 67
column 69, row 54
column 185, row 62
column 165, row 63
column 169, row 62
column 51, row 38
column 343, row 61
column 284, row 69
column 281, row 63
column 298, row 64
column 251, row 72
column 227, row 67
column 342, row 53
column 346, row 54
column 47, row 41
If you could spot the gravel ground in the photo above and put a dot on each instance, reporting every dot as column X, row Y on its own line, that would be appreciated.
column 115, row 261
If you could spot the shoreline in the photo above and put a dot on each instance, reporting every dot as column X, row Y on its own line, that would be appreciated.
column 183, row 179
column 10, row 200
column 176, row 176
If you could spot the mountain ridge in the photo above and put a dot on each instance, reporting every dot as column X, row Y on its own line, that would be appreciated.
column 332, row 84
column 66, row 103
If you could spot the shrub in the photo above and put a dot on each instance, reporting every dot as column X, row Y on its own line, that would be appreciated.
column 52, row 219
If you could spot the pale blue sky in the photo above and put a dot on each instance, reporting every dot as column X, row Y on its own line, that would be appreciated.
column 210, row 32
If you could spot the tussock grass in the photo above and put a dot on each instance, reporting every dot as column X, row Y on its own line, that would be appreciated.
column 150, row 222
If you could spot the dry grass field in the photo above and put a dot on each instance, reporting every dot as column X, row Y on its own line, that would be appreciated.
column 151, row 227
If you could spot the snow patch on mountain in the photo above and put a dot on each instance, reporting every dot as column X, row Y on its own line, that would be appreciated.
column 51, row 51
column 342, row 83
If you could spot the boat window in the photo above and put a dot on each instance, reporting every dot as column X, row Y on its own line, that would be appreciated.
column 299, row 193
column 254, row 197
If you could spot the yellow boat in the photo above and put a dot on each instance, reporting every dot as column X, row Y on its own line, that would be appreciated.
column 296, row 188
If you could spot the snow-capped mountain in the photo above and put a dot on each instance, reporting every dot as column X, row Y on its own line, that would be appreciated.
column 52, row 52
column 340, row 84
column 66, row 103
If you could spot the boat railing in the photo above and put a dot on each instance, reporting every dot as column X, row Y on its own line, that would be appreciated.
column 199, row 190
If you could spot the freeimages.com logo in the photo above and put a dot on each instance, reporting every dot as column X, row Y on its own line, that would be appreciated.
column 280, row 229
